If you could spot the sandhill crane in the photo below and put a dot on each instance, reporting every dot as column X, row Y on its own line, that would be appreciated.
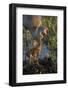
column 34, row 52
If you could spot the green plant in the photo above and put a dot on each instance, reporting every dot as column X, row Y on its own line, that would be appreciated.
column 51, row 23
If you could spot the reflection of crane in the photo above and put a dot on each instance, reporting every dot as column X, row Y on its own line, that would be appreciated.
column 34, row 25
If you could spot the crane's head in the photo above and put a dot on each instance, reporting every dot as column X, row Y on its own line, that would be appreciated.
column 43, row 31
